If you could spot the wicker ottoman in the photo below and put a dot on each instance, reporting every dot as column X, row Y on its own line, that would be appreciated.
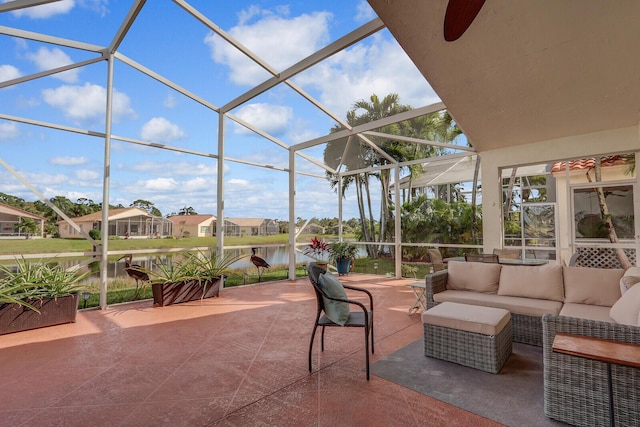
column 470, row 335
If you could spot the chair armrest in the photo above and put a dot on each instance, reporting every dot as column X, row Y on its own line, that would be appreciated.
column 355, row 288
column 575, row 388
column 434, row 283
column 552, row 324
column 349, row 301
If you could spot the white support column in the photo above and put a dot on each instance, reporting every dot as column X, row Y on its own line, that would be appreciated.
column 636, row 209
column 568, row 206
column 105, row 187
column 397, row 222
column 220, row 187
column 340, row 207
column 491, row 205
column 292, row 214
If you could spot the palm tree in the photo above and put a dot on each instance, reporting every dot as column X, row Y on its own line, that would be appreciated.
column 187, row 211
column 437, row 126
column 606, row 216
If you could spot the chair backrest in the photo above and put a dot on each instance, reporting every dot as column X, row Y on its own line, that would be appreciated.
column 508, row 253
column 574, row 259
column 315, row 271
column 491, row 258
column 436, row 257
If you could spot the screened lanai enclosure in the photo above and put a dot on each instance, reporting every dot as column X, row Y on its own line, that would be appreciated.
column 284, row 113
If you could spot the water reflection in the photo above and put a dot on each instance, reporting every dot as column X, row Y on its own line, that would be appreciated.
column 116, row 268
column 273, row 255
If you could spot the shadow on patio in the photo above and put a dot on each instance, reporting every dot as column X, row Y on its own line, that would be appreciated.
column 240, row 359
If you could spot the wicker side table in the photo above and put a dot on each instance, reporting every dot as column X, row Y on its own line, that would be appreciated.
column 474, row 336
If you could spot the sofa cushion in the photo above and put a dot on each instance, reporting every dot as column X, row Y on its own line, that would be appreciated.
column 596, row 286
column 473, row 276
column 585, row 311
column 543, row 282
column 470, row 318
column 631, row 277
column 516, row 305
column 627, row 309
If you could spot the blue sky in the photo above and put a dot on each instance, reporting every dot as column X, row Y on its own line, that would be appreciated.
column 173, row 44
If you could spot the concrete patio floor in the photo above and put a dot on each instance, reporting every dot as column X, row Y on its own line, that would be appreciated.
column 236, row 360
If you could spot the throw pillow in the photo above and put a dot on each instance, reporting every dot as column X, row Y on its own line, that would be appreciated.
column 628, row 281
column 539, row 282
column 595, row 286
column 473, row 276
column 336, row 311
column 626, row 310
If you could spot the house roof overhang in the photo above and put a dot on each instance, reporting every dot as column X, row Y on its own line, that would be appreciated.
column 527, row 71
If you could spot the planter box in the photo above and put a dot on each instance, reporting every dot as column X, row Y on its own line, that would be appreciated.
column 53, row 311
column 177, row 292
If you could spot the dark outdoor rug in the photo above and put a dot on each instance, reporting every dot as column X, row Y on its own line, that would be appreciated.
column 513, row 397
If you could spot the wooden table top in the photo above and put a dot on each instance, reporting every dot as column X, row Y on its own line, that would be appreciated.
column 617, row 352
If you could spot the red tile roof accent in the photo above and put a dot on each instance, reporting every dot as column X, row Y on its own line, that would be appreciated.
column 584, row 164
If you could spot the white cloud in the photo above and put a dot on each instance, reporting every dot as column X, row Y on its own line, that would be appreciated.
column 9, row 72
column 158, row 184
column 170, row 101
column 87, row 175
column 273, row 119
column 9, row 131
column 279, row 41
column 197, row 184
column 68, row 161
column 88, row 102
column 236, row 182
column 45, row 11
column 100, row 6
column 182, row 168
column 45, row 179
column 365, row 12
column 47, row 59
column 159, row 129
column 379, row 67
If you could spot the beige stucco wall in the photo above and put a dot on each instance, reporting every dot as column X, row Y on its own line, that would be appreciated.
column 574, row 147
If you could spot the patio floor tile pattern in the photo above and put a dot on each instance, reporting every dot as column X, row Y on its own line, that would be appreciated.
column 237, row 360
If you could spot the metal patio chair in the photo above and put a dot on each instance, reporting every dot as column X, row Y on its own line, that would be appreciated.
column 362, row 318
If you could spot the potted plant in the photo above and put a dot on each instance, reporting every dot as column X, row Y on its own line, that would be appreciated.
column 37, row 294
column 342, row 254
column 318, row 249
column 197, row 276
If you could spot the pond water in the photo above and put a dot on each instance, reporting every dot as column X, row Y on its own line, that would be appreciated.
column 273, row 255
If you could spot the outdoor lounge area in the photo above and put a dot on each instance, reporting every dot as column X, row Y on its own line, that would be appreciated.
column 538, row 106
column 237, row 360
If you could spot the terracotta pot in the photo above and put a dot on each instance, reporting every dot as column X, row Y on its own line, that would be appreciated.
column 189, row 290
column 53, row 311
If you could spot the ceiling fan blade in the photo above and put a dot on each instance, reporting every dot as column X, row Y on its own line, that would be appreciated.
column 459, row 16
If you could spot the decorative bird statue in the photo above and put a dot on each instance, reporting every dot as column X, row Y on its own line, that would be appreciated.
column 136, row 272
column 259, row 263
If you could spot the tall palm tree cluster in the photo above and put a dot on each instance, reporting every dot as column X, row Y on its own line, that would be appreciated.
column 374, row 152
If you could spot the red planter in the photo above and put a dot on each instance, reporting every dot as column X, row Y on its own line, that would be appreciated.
column 190, row 290
column 53, row 311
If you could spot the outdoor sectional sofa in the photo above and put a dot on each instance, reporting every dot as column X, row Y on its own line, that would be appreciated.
column 547, row 299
